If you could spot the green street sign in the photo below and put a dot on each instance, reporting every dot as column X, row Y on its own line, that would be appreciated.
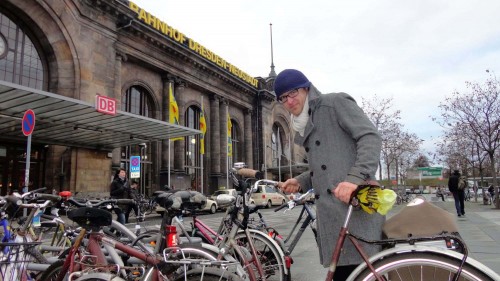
column 431, row 171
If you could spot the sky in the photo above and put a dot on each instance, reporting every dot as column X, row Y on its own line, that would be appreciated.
column 415, row 52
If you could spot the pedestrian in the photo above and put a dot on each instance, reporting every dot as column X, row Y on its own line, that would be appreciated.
column 458, row 194
column 440, row 193
column 343, row 150
column 119, row 190
column 133, row 194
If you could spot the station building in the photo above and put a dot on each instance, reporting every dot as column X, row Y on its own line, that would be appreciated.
column 57, row 57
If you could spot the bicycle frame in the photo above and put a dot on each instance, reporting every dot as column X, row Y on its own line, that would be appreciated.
column 344, row 233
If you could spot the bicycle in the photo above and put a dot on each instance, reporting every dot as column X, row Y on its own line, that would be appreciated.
column 13, row 262
column 91, row 263
column 24, row 231
column 409, row 259
column 308, row 215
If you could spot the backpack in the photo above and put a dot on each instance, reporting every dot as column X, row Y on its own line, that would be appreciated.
column 462, row 183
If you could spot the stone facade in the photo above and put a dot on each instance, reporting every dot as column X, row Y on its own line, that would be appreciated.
column 94, row 47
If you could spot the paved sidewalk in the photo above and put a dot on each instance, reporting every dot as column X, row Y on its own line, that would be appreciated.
column 480, row 228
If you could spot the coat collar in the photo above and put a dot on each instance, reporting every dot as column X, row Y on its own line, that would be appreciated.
column 314, row 101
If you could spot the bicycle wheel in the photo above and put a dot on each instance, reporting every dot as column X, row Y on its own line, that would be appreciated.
column 269, row 255
column 52, row 272
column 421, row 266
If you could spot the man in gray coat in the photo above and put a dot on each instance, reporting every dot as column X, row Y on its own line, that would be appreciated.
column 343, row 150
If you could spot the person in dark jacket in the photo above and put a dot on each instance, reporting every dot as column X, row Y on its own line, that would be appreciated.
column 343, row 148
column 458, row 195
column 133, row 193
column 120, row 190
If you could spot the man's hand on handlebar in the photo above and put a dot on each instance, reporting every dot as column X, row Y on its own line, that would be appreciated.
column 291, row 186
column 344, row 191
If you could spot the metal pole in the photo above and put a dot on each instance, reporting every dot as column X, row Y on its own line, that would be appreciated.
column 290, row 155
column 279, row 155
column 265, row 157
column 27, row 171
column 168, row 166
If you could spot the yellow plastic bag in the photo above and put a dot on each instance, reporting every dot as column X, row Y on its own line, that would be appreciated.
column 374, row 199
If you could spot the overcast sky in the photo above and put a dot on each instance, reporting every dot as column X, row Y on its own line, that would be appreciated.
column 417, row 52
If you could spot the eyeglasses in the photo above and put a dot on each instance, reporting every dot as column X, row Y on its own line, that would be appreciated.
column 291, row 94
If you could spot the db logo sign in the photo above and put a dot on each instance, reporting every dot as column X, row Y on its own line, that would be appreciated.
column 105, row 105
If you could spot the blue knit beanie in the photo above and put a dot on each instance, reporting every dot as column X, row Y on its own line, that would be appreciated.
column 288, row 80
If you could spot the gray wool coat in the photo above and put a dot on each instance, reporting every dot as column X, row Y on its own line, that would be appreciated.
column 342, row 144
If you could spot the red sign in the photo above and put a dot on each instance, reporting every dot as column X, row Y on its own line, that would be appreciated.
column 105, row 104
column 28, row 124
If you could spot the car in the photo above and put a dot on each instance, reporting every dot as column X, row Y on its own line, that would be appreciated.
column 267, row 195
column 211, row 207
column 225, row 198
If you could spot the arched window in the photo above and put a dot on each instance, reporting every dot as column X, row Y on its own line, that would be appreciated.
column 192, row 144
column 137, row 100
column 20, row 62
column 236, row 141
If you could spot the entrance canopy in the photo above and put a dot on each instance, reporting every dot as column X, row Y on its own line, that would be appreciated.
column 71, row 122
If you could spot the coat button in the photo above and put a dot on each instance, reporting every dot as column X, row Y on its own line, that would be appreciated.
column 309, row 111
column 311, row 173
column 323, row 167
column 307, row 149
column 317, row 142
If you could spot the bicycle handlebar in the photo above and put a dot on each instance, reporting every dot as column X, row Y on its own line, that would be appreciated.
column 35, row 205
column 39, row 190
column 45, row 196
column 297, row 201
column 99, row 203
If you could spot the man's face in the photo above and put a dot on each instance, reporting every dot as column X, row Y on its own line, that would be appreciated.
column 122, row 173
column 295, row 104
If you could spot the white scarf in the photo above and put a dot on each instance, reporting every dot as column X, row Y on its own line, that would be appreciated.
column 299, row 122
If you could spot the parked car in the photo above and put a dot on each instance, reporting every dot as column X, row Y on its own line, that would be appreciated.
column 268, row 196
column 225, row 198
column 211, row 206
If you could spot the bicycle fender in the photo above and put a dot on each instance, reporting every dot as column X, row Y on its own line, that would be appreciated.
column 228, row 257
column 276, row 245
column 100, row 276
column 414, row 248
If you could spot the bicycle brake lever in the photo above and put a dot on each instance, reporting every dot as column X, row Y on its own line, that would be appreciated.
column 291, row 205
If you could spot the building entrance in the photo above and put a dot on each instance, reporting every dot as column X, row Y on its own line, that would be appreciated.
column 13, row 167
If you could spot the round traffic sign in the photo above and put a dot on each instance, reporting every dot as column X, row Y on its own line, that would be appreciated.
column 28, row 124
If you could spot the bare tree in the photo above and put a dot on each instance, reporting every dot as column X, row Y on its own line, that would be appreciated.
column 382, row 115
column 478, row 110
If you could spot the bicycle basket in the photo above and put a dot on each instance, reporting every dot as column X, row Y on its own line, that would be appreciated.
column 14, row 258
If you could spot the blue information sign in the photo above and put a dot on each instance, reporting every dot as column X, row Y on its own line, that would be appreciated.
column 135, row 167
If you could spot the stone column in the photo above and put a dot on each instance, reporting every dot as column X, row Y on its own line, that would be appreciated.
column 179, row 146
column 248, row 139
column 117, row 94
column 214, row 135
column 223, row 135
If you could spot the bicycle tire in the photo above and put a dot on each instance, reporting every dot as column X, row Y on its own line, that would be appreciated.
column 269, row 255
column 421, row 266
column 52, row 272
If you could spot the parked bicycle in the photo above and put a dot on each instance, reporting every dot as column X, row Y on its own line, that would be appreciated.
column 87, row 261
column 407, row 259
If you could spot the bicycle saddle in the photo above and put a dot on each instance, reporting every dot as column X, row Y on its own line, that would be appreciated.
column 91, row 217
column 181, row 199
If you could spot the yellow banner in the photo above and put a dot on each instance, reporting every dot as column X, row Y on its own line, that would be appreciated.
column 229, row 138
column 203, row 129
column 173, row 110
